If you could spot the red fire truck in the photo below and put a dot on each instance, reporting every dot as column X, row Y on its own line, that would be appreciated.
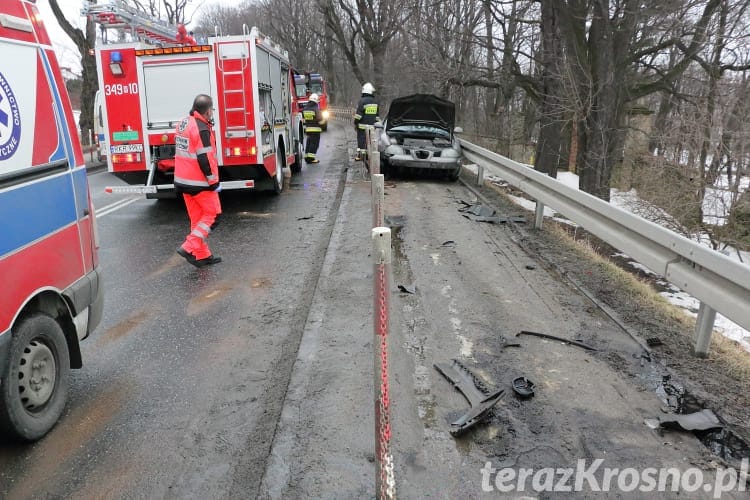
column 312, row 83
column 149, row 85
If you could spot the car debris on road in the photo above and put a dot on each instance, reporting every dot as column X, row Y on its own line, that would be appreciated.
column 481, row 399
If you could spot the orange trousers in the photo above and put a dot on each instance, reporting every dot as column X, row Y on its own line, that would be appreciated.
column 202, row 208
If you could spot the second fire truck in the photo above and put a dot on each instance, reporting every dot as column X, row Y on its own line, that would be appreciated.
column 313, row 83
column 149, row 85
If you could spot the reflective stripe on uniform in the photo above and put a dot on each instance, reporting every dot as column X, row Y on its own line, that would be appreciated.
column 210, row 178
column 185, row 154
column 203, row 151
column 371, row 109
column 205, row 227
column 313, row 129
column 189, row 182
column 357, row 116
column 198, row 234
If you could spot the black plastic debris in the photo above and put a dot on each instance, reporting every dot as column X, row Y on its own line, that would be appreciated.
column 653, row 341
column 480, row 213
column 481, row 399
column 523, row 387
column 449, row 243
column 408, row 288
column 305, row 218
column 394, row 221
column 478, row 210
column 699, row 421
column 553, row 337
column 530, row 267
column 504, row 343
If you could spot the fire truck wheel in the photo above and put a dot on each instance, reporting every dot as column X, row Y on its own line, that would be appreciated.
column 296, row 167
column 278, row 179
column 35, row 381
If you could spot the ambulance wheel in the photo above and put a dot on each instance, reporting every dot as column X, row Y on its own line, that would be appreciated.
column 35, row 380
column 278, row 179
column 324, row 126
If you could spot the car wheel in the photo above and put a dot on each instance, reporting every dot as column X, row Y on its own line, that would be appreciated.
column 35, row 382
column 385, row 169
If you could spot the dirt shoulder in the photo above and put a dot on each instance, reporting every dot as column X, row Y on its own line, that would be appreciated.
column 719, row 382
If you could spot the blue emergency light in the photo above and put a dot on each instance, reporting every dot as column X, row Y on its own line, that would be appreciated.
column 115, row 66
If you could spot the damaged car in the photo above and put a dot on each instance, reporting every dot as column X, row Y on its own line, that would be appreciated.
column 419, row 136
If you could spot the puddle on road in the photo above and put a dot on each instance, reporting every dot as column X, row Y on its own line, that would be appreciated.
column 123, row 327
column 320, row 185
column 726, row 443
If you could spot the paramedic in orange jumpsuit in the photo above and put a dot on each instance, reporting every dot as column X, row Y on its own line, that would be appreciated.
column 196, row 176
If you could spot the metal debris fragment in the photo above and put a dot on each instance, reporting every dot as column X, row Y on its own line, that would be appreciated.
column 553, row 337
column 698, row 421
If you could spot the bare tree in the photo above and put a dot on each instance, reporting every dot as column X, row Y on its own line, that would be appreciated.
column 84, row 41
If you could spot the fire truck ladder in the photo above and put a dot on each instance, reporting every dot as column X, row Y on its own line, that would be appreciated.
column 233, row 85
column 116, row 14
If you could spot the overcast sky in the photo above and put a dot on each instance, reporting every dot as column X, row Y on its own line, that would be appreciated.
column 66, row 51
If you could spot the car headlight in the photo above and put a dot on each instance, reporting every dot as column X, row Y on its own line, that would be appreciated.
column 392, row 140
column 394, row 150
column 326, row 114
column 450, row 153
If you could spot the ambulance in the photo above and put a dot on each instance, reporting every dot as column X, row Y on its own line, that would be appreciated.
column 51, row 288
column 100, row 133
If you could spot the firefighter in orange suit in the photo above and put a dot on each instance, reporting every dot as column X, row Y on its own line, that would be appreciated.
column 312, row 117
column 196, row 176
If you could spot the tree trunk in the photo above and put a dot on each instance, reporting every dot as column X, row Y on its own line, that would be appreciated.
column 550, row 120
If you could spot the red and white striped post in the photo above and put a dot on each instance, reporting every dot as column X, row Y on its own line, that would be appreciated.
column 385, row 482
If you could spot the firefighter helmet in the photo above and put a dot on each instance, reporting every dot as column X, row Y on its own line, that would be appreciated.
column 314, row 98
column 367, row 88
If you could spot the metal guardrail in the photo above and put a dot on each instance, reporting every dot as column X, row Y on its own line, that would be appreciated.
column 720, row 283
column 344, row 114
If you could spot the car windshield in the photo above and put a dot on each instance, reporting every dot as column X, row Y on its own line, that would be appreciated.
column 420, row 130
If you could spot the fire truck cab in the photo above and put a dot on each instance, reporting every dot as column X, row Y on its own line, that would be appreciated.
column 313, row 83
column 149, row 86
column 51, row 295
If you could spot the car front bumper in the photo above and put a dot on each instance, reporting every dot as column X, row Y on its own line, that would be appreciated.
column 408, row 161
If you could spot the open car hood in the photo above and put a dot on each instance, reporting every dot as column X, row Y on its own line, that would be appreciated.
column 421, row 109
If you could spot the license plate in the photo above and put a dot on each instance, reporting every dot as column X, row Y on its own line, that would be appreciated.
column 127, row 148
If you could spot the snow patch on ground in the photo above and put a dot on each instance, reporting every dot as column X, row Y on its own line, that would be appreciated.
column 715, row 206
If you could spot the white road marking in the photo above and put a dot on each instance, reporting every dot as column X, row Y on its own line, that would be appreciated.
column 101, row 212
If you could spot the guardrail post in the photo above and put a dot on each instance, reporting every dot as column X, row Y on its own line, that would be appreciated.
column 373, row 155
column 385, row 482
column 538, row 215
column 704, row 327
column 378, row 199
column 480, row 175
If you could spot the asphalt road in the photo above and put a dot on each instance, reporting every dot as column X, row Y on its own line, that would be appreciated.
column 253, row 378
column 184, row 380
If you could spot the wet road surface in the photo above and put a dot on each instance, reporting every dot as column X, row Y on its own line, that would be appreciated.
column 184, row 379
